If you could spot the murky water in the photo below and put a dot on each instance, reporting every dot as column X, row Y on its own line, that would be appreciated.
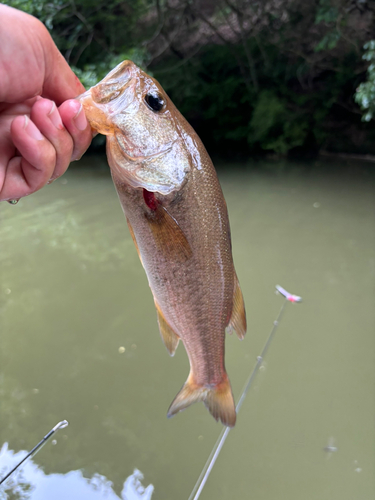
column 79, row 341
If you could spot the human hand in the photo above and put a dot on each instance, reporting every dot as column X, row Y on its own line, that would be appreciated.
column 37, row 139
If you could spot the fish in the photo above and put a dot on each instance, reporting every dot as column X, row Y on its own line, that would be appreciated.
column 178, row 220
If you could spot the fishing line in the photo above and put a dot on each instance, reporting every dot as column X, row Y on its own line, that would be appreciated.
column 60, row 425
column 199, row 485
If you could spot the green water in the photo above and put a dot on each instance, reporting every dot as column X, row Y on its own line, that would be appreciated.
column 73, row 295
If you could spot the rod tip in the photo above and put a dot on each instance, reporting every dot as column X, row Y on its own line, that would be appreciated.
column 289, row 296
column 61, row 425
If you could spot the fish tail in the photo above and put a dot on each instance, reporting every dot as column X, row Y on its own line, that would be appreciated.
column 218, row 400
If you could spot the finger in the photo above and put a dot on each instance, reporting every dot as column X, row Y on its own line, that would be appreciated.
column 22, row 56
column 31, row 170
column 74, row 119
column 60, row 83
column 45, row 71
column 46, row 117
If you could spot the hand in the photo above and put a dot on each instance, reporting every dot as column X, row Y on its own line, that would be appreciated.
column 42, row 129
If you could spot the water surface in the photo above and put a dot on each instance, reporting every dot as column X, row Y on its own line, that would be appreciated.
column 79, row 341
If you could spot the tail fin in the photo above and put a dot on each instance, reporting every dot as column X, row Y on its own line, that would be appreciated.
column 217, row 399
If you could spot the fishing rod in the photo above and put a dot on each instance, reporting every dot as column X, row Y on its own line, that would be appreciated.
column 60, row 425
column 199, row 485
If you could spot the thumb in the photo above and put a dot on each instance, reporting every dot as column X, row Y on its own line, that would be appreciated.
column 60, row 83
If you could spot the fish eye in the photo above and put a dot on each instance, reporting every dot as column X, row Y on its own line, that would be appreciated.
column 155, row 102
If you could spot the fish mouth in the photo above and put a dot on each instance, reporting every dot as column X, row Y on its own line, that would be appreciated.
column 104, row 99
column 114, row 84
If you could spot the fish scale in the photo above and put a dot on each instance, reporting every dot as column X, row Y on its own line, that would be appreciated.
column 177, row 216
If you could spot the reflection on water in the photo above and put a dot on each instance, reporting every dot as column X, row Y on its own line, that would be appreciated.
column 79, row 340
column 31, row 482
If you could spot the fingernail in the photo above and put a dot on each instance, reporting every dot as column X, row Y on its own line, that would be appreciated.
column 31, row 129
column 80, row 119
column 55, row 118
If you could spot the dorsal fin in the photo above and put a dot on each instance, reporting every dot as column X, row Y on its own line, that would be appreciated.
column 237, row 320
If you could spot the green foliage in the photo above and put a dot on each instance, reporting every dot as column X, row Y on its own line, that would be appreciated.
column 93, row 35
column 365, row 93
column 326, row 12
column 328, row 42
column 90, row 74
column 287, row 84
column 274, row 126
column 45, row 11
column 211, row 93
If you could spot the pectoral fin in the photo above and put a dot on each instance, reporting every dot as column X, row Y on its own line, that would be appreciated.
column 170, row 338
column 134, row 240
column 168, row 236
column 218, row 400
column 237, row 321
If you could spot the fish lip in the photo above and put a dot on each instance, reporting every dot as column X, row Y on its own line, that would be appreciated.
column 81, row 97
column 123, row 66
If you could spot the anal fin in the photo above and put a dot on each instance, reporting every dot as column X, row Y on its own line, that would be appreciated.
column 170, row 338
column 237, row 321
column 218, row 400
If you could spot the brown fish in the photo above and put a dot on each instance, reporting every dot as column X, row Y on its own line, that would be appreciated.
column 178, row 220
